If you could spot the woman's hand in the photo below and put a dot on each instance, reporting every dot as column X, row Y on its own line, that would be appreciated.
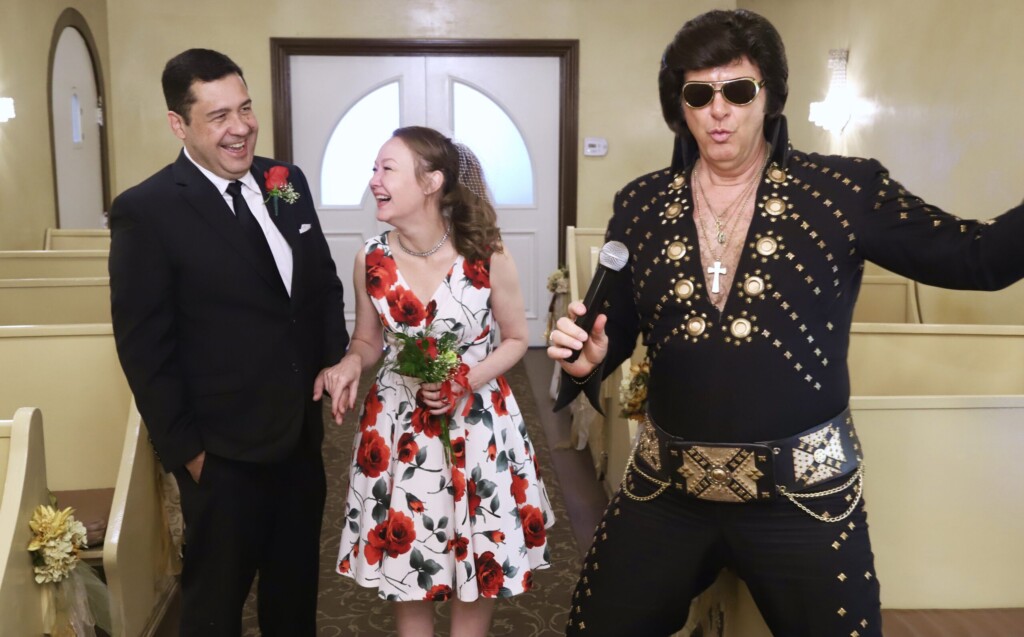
column 567, row 337
column 437, row 400
column 341, row 382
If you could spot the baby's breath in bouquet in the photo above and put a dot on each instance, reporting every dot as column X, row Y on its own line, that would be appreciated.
column 633, row 390
column 434, row 360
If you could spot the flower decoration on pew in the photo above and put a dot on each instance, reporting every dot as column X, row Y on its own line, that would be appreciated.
column 57, row 539
column 633, row 390
column 75, row 600
column 278, row 187
column 558, row 281
column 434, row 360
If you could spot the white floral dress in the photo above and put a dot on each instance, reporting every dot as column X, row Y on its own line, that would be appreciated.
column 418, row 527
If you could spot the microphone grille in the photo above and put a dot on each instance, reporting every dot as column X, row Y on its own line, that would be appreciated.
column 614, row 255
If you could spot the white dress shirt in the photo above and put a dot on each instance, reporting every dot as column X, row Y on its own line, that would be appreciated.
column 254, row 197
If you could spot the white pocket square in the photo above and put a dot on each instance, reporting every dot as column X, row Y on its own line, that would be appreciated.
column 304, row 227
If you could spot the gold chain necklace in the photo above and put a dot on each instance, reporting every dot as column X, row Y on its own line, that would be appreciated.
column 716, row 269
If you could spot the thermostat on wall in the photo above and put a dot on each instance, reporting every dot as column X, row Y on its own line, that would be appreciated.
column 595, row 146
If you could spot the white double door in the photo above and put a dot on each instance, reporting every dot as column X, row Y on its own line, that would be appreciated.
column 526, row 89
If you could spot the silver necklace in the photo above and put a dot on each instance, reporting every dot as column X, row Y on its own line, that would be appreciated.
column 427, row 253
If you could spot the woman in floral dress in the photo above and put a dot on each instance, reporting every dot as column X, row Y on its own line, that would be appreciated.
column 422, row 526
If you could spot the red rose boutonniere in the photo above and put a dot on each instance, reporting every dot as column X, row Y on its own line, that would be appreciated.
column 278, row 186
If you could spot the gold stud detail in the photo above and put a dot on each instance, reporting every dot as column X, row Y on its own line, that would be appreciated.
column 754, row 286
column 776, row 174
column 695, row 326
column 841, row 612
column 677, row 183
column 842, row 577
column 684, row 288
column 766, row 246
column 775, row 206
column 673, row 211
column 740, row 328
column 676, row 250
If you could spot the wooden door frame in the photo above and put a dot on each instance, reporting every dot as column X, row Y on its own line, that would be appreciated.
column 70, row 18
column 567, row 52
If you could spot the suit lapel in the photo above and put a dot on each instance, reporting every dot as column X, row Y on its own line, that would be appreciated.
column 203, row 197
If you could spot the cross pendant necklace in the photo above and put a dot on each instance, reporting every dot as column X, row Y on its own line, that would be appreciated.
column 717, row 270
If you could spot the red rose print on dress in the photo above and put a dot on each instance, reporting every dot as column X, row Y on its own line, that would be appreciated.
column 381, row 273
column 371, row 409
column 438, row 593
column 458, row 484
column 489, row 575
column 407, row 448
column 519, row 486
column 478, row 272
column 527, row 580
column 376, row 543
column 459, row 452
column 533, row 526
column 401, row 533
column 373, row 454
column 406, row 309
column 460, row 545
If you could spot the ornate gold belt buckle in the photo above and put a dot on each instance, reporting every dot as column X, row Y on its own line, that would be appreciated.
column 724, row 473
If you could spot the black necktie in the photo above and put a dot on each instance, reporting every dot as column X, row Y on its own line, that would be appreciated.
column 250, row 227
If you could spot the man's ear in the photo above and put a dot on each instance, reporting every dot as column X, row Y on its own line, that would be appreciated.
column 433, row 183
column 177, row 124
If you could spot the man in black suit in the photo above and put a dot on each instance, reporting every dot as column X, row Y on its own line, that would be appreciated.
column 226, row 307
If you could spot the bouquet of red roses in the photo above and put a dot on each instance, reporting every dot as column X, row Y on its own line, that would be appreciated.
column 434, row 360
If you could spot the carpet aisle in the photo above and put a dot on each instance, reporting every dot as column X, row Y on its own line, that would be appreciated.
column 346, row 609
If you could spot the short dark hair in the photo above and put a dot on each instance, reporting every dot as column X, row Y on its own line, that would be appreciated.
column 717, row 38
column 193, row 65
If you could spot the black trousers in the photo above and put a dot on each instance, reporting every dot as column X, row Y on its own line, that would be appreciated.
column 242, row 519
column 649, row 559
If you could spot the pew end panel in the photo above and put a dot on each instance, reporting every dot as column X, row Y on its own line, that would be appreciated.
column 24, row 489
column 138, row 555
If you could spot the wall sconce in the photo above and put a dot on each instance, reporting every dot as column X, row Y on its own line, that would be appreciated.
column 840, row 105
column 6, row 108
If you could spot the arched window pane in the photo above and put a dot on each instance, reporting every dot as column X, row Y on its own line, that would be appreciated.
column 348, row 159
column 487, row 129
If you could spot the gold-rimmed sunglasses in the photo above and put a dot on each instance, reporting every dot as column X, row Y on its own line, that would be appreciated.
column 738, row 92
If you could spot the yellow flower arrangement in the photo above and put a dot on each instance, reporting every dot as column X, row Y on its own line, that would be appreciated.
column 57, row 539
column 633, row 390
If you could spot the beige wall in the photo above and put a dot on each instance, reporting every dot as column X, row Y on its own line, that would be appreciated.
column 27, row 202
column 620, row 49
column 945, row 76
column 935, row 136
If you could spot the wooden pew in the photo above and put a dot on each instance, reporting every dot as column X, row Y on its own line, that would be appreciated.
column 54, row 301
column 23, row 488
column 41, row 264
column 72, row 373
column 76, row 239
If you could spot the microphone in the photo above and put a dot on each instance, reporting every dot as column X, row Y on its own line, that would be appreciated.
column 610, row 261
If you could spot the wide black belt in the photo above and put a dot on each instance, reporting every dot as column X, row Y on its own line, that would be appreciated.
column 750, row 472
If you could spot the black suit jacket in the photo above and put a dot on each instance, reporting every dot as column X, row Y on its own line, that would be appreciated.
column 217, row 354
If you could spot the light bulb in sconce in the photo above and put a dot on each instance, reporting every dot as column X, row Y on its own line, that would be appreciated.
column 6, row 108
column 841, row 105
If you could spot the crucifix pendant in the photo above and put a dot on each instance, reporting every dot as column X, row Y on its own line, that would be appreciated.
column 717, row 270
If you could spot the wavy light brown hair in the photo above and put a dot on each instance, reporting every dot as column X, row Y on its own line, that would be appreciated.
column 475, row 230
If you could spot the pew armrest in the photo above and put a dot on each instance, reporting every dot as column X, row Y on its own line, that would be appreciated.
column 24, row 489
column 137, row 555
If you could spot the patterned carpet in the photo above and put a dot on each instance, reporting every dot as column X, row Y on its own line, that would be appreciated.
column 346, row 609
